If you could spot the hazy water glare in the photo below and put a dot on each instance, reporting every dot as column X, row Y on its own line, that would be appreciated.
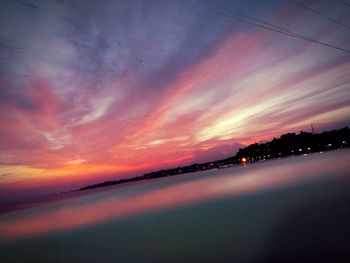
column 208, row 215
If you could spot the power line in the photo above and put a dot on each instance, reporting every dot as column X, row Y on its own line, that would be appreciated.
column 265, row 25
column 344, row 3
column 261, row 22
column 320, row 14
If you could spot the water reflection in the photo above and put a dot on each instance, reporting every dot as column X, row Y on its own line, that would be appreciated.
column 172, row 192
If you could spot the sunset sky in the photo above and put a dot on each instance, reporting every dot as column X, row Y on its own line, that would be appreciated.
column 94, row 90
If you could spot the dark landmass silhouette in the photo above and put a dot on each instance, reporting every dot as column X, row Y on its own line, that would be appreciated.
column 289, row 144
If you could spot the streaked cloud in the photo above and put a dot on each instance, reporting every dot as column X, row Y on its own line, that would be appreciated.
column 94, row 90
column 99, row 108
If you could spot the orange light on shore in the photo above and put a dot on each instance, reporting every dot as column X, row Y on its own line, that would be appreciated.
column 244, row 161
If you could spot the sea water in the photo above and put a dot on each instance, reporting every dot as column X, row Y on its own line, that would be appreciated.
column 291, row 209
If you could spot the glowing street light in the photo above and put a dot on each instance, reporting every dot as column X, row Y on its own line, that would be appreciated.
column 244, row 161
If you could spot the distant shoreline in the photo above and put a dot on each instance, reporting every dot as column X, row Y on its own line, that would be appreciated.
column 287, row 145
column 45, row 199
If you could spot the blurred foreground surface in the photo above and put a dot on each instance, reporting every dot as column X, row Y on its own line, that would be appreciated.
column 288, row 210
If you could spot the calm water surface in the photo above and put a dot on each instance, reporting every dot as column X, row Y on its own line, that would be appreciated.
column 292, row 208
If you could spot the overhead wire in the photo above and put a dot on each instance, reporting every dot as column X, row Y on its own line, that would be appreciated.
column 320, row 14
column 261, row 21
column 344, row 3
column 262, row 24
